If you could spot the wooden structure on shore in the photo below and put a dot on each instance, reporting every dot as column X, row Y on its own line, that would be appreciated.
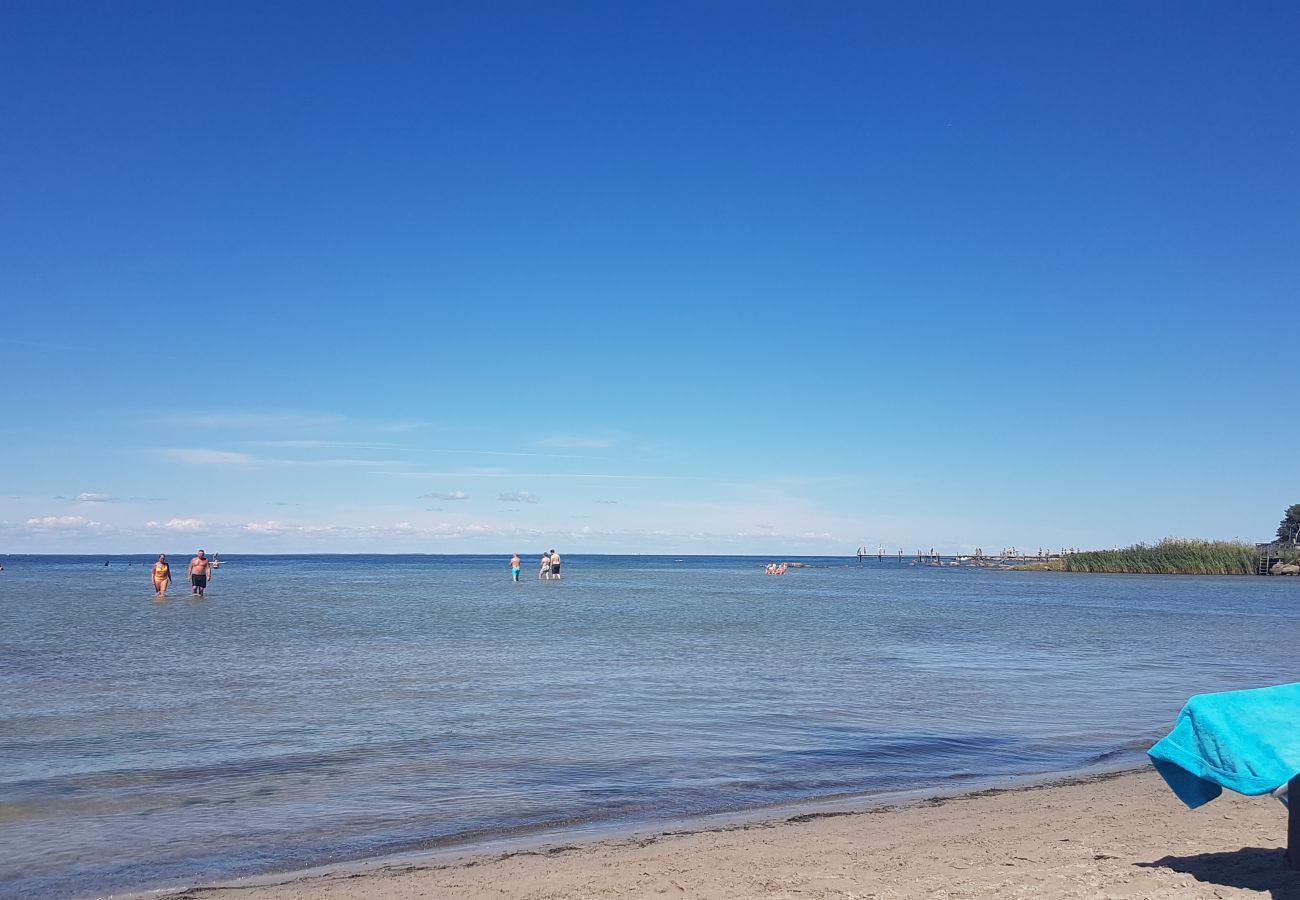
column 1274, row 554
column 1010, row 556
column 1278, row 558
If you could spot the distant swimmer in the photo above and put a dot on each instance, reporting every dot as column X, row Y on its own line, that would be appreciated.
column 544, row 573
column 200, row 569
column 555, row 564
column 162, row 576
column 514, row 567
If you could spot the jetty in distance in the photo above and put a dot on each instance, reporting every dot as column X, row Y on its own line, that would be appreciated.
column 1008, row 556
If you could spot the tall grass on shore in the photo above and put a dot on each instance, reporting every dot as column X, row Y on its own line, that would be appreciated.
column 1172, row 556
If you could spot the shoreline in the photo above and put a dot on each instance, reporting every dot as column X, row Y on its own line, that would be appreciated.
column 1112, row 833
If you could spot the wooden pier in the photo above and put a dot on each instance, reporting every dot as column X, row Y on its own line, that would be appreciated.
column 1010, row 556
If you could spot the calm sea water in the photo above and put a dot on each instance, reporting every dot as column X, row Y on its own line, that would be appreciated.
column 330, row 707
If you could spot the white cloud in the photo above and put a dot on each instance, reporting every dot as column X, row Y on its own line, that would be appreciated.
column 336, row 462
column 322, row 445
column 517, row 497
column 200, row 457
column 250, row 420
column 62, row 523
column 597, row 441
column 269, row 527
column 506, row 473
column 175, row 525
column 207, row 457
column 344, row 532
column 246, row 419
column 96, row 498
column 440, row 495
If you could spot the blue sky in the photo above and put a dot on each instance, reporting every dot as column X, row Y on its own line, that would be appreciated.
column 764, row 278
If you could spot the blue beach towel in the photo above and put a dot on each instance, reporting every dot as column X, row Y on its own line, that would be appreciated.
column 1247, row 741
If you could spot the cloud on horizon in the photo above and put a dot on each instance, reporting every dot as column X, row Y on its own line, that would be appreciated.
column 95, row 498
column 441, row 495
column 517, row 497
column 62, row 523
column 175, row 525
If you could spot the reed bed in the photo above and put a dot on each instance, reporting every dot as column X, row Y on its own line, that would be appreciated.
column 1172, row 556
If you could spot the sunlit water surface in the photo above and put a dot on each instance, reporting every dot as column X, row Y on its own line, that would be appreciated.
column 331, row 707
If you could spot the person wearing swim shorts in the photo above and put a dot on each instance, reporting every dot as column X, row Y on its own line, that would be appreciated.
column 162, row 576
column 555, row 564
column 514, row 567
column 200, row 569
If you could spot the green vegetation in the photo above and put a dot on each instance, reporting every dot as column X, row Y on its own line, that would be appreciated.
column 1172, row 556
column 1181, row 556
column 1288, row 531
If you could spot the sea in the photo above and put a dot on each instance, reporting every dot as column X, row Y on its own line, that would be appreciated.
column 314, row 710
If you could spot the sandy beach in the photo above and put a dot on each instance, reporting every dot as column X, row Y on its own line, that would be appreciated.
column 1113, row 835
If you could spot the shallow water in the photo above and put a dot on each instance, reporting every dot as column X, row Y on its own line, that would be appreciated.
column 328, row 707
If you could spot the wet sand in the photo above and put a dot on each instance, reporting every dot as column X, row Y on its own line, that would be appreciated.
column 1115, row 835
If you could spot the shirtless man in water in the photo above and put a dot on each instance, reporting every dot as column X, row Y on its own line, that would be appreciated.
column 200, row 569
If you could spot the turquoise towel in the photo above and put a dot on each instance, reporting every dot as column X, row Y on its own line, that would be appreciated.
column 1248, row 741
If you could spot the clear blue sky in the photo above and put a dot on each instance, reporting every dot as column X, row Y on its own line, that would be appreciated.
column 766, row 278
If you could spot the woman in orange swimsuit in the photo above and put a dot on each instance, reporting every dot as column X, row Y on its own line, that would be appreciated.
column 162, row 576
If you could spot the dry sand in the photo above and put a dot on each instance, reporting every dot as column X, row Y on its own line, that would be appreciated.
column 1122, row 835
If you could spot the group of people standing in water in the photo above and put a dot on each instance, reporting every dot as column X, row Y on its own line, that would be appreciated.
column 550, row 568
column 199, row 572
